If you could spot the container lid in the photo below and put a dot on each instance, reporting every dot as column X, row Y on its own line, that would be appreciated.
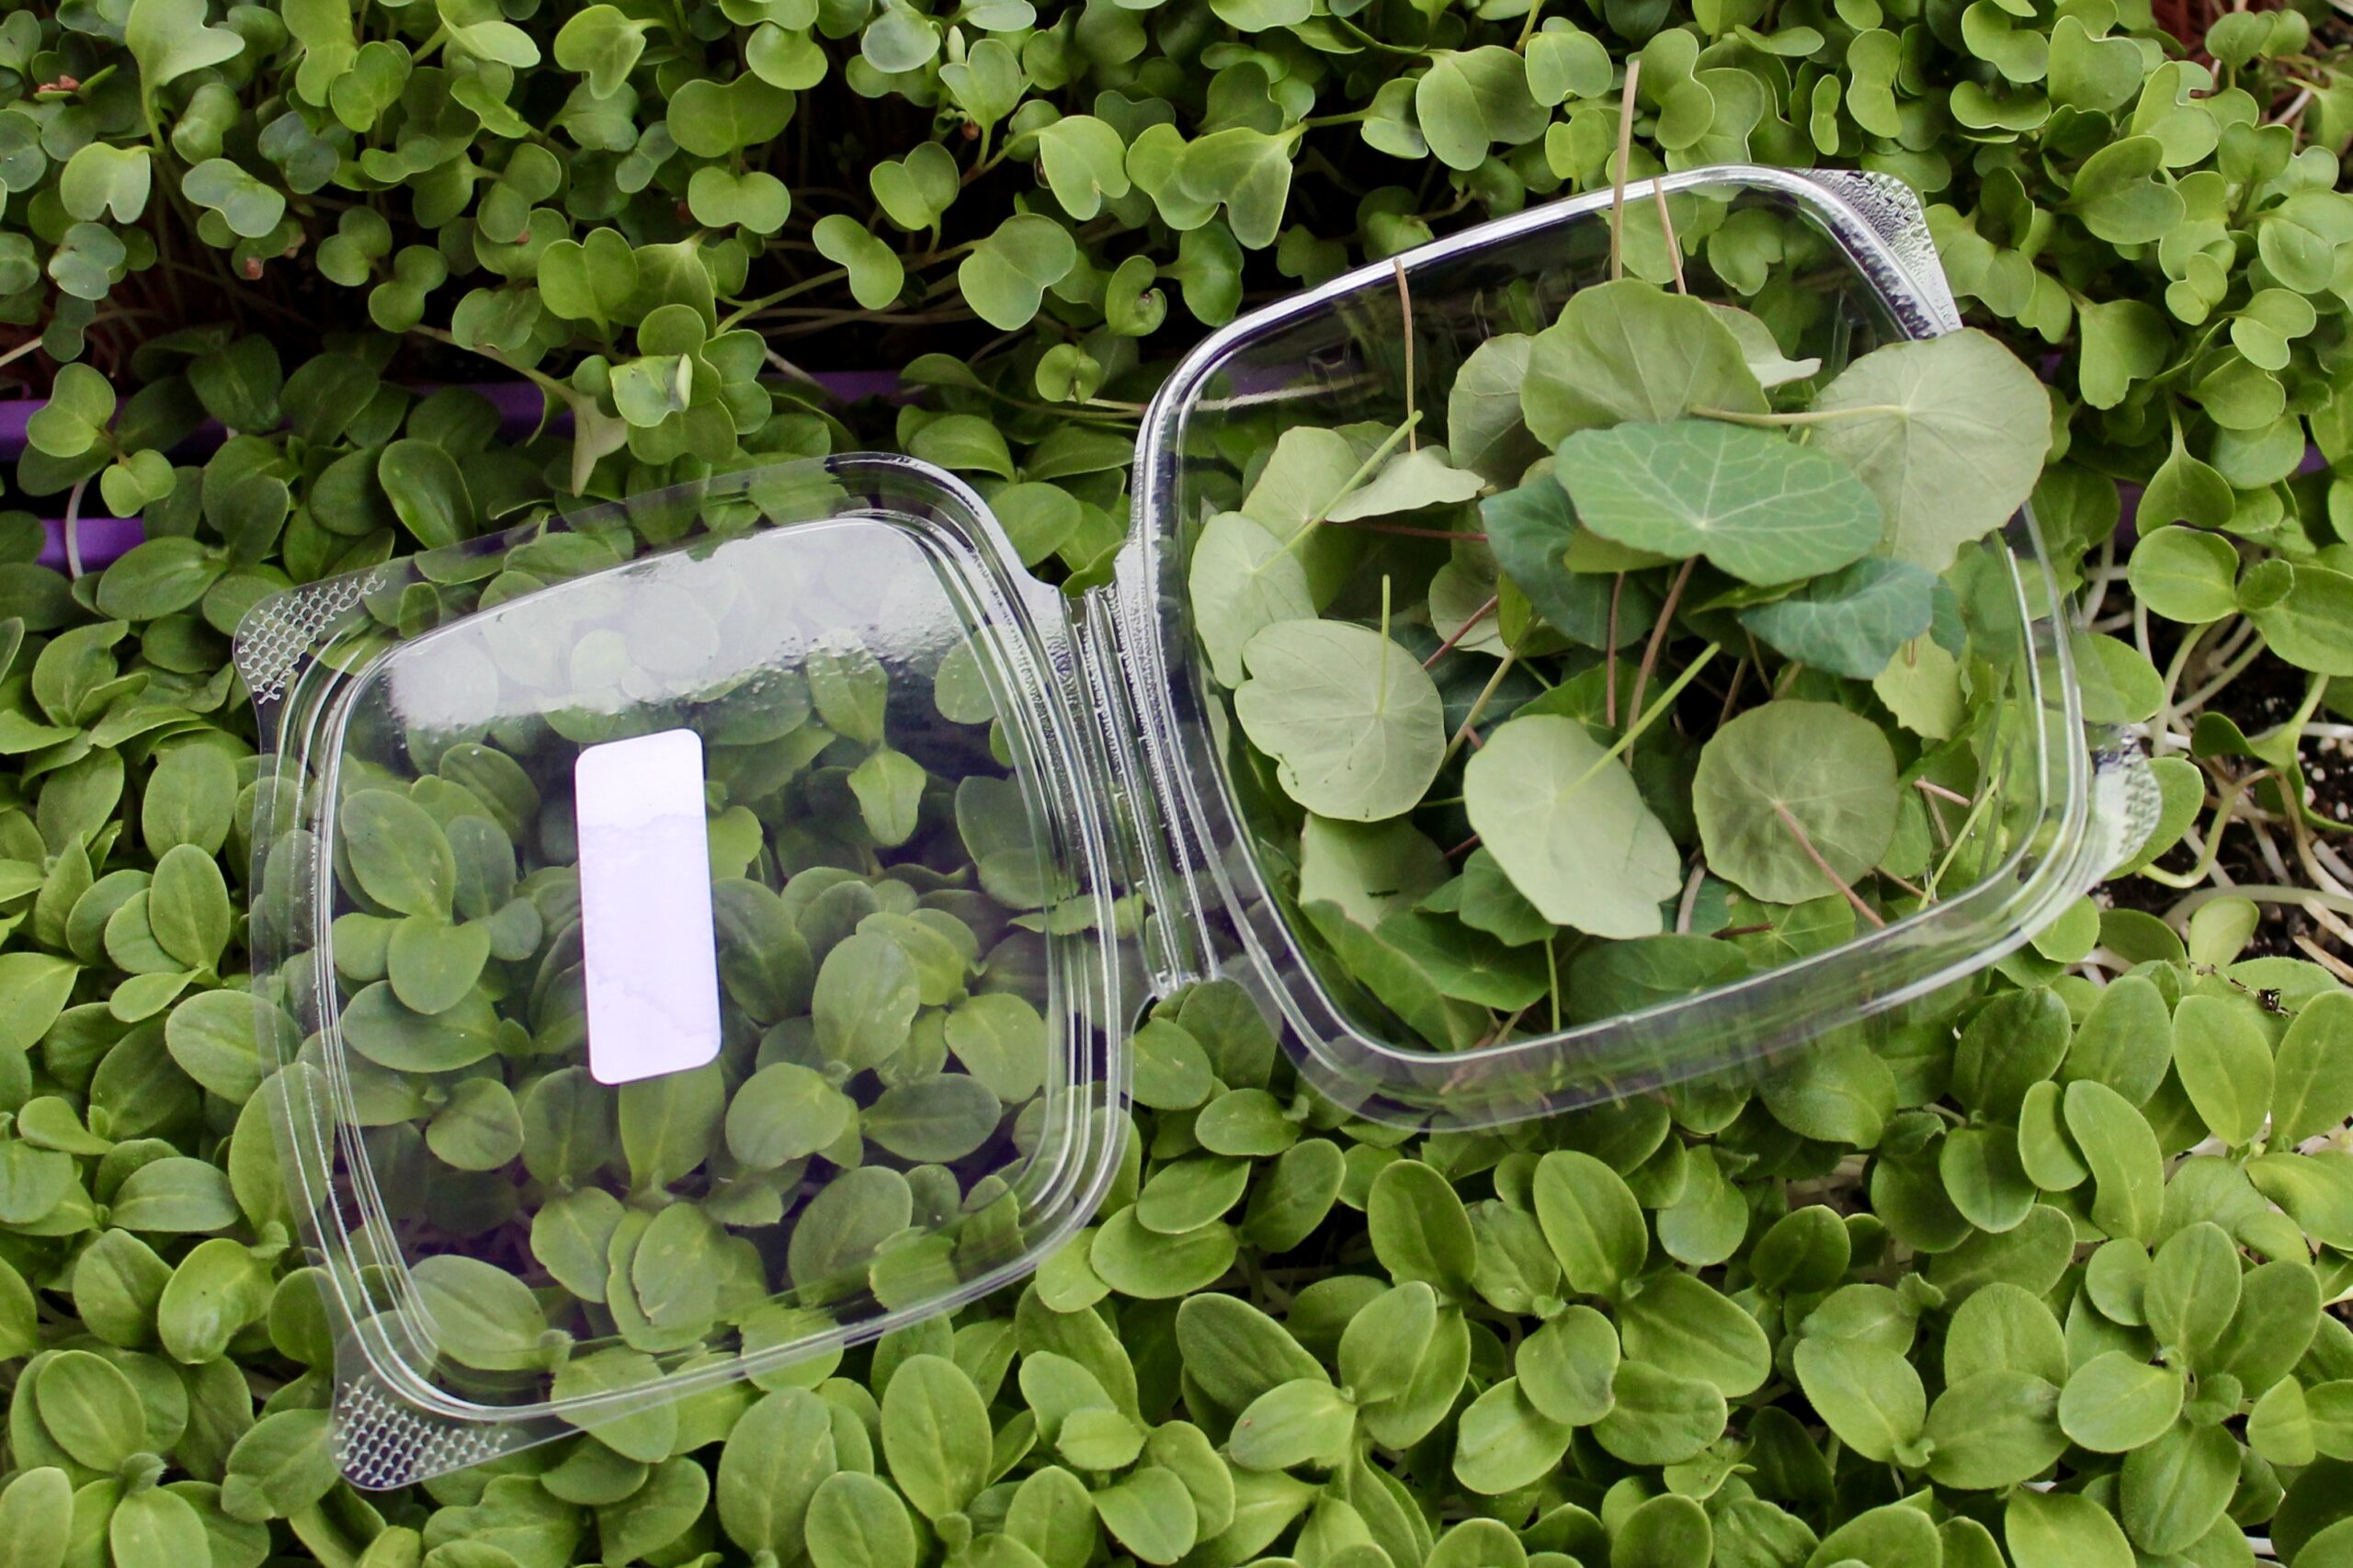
column 691, row 921
column 1418, row 985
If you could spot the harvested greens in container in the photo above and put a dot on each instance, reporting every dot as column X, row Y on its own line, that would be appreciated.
column 710, row 930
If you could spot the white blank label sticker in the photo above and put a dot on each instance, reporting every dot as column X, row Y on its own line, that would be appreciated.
column 649, row 951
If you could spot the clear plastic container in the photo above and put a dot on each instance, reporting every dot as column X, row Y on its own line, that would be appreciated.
column 560, row 831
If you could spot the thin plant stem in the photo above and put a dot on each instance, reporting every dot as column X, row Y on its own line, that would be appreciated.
column 1367, row 524
column 1732, row 693
column 1798, row 833
column 1690, row 900
column 2258, row 892
column 2225, row 810
column 1658, row 635
column 1808, row 416
column 1463, row 630
column 1405, row 312
column 1479, row 704
column 1618, row 187
column 1666, row 227
column 1552, row 979
column 1365, row 470
column 1665, row 701
column 72, row 530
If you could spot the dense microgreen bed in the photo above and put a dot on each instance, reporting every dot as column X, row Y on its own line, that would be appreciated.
column 2047, row 1276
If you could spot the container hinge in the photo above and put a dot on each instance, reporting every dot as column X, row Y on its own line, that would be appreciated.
column 1143, row 823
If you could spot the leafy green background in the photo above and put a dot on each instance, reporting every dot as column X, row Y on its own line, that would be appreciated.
column 1857, row 1311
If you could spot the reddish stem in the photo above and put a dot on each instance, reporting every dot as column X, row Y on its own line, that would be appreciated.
column 1798, row 833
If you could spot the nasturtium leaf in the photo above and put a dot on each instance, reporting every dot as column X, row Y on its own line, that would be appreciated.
column 1754, row 502
column 1355, row 721
column 1950, row 433
column 1245, row 577
column 1484, row 428
column 1851, row 623
column 1628, row 351
column 1531, row 529
column 1794, row 798
column 1408, row 481
column 1370, row 870
column 1567, row 825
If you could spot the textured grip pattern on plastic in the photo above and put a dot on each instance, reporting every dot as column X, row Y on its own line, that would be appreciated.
column 380, row 1440
column 282, row 632
column 1893, row 210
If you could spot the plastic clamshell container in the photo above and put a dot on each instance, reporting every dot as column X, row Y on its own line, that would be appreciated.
column 599, row 767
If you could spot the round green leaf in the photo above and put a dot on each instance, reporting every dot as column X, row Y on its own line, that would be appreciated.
column 1788, row 776
column 1354, row 722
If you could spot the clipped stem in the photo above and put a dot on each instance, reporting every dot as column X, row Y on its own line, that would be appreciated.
column 72, row 527
column 2226, row 804
column 1460, row 632
column 1658, row 635
column 1665, row 701
column 1479, row 704
column 1808, row 416
column 1666, row 227
column 1365, row 470
column 1367, row 524
column 1618, row 187
column 2259, row 893
column 1798, row 833
column 1405, row 312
